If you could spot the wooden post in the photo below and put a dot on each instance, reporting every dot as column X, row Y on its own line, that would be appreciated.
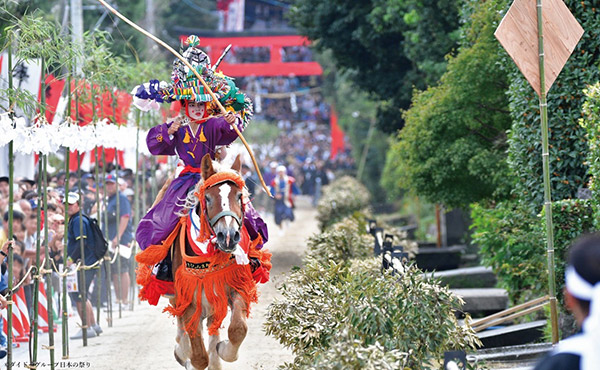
column 438, row 225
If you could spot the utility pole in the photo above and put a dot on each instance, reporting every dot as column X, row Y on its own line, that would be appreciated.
column 151, row 46
column 77, row 30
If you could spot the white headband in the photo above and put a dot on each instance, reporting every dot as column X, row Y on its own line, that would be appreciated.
column 578, row 286
column 588, row 345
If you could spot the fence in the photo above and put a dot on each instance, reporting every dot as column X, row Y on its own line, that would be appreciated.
column 392, row 256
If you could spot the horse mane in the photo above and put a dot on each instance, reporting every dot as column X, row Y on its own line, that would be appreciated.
column 191, row 200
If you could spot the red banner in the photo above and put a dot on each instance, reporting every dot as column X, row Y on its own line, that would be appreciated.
column 338, row 142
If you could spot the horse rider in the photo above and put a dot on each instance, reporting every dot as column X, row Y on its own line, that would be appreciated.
column 191, row 135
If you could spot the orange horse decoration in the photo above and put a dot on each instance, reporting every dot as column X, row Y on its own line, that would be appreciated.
column 217, row 266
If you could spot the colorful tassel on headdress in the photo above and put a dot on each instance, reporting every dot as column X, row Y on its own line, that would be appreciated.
column 193, row 41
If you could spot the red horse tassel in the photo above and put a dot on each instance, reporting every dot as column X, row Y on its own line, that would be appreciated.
column 152, row 288
column 221, row 274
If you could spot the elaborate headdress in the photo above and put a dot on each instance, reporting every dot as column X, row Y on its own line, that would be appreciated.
column 186, row 86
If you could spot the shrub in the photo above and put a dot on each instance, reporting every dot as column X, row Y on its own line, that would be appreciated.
column 322, row 302
column 572, row 218
column 340, row 199
column 591, row 123
column 513, row 242
column 342, row 241
column 347, row 353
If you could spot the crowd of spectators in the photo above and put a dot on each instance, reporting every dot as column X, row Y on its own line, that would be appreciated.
column 28, row 228
column 243, row 54
column 291, row 98
column 296, row 54
column 304, row 148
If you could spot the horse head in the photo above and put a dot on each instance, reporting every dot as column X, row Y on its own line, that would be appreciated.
column 223, row 204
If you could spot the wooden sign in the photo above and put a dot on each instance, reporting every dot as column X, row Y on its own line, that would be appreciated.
column 518, row 34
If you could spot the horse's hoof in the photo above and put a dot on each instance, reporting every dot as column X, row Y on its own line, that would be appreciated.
column 181, row 361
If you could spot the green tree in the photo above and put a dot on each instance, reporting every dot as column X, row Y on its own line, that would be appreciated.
column 452, row 149
column 388, row 46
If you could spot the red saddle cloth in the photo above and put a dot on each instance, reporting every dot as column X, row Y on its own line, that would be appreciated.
column 212, row 272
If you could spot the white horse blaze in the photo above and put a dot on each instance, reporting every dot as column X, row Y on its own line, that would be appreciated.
column 224, row 191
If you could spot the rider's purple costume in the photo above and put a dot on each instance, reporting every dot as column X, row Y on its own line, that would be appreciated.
column 162, row 218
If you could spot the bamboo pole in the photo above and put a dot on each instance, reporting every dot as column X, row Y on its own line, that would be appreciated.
column 206, row 87
column 65, row 312
column 84, row 325
column 98, row 285
column 118, row 214
column 84, row 319
column 497, row 315
column 11, row 171
column 363, row 158
column 48, row 267
column 511, row 317
column 546, row 173
column 98, row 217
column 36, row 280
column 117, row 237
column 109, row 317
column 136, row 200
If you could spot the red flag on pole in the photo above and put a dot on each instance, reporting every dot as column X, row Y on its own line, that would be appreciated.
column 337, row 136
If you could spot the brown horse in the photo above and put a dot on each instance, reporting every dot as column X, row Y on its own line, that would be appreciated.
column 206, row 286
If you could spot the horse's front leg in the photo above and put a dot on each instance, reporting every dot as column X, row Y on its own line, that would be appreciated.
column 214, row 362
column 228, row 349
column 199, row 356
column 182, row 348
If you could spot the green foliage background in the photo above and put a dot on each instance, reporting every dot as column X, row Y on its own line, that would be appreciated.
column 386, row 45
column 512, row 241
column 453, row 147
column 590, row 122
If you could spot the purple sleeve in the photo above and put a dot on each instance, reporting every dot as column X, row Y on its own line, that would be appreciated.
column 159, row 142
column 225, row 134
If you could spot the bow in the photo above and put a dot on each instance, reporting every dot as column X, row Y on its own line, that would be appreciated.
column 172, row 51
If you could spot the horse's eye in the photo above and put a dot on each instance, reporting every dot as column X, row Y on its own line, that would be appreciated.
column 239, row 196
column 208, row 199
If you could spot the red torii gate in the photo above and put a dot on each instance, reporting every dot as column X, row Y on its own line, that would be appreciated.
column 214, row 46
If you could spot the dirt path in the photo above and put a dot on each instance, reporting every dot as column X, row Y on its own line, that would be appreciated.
column 145, row 338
